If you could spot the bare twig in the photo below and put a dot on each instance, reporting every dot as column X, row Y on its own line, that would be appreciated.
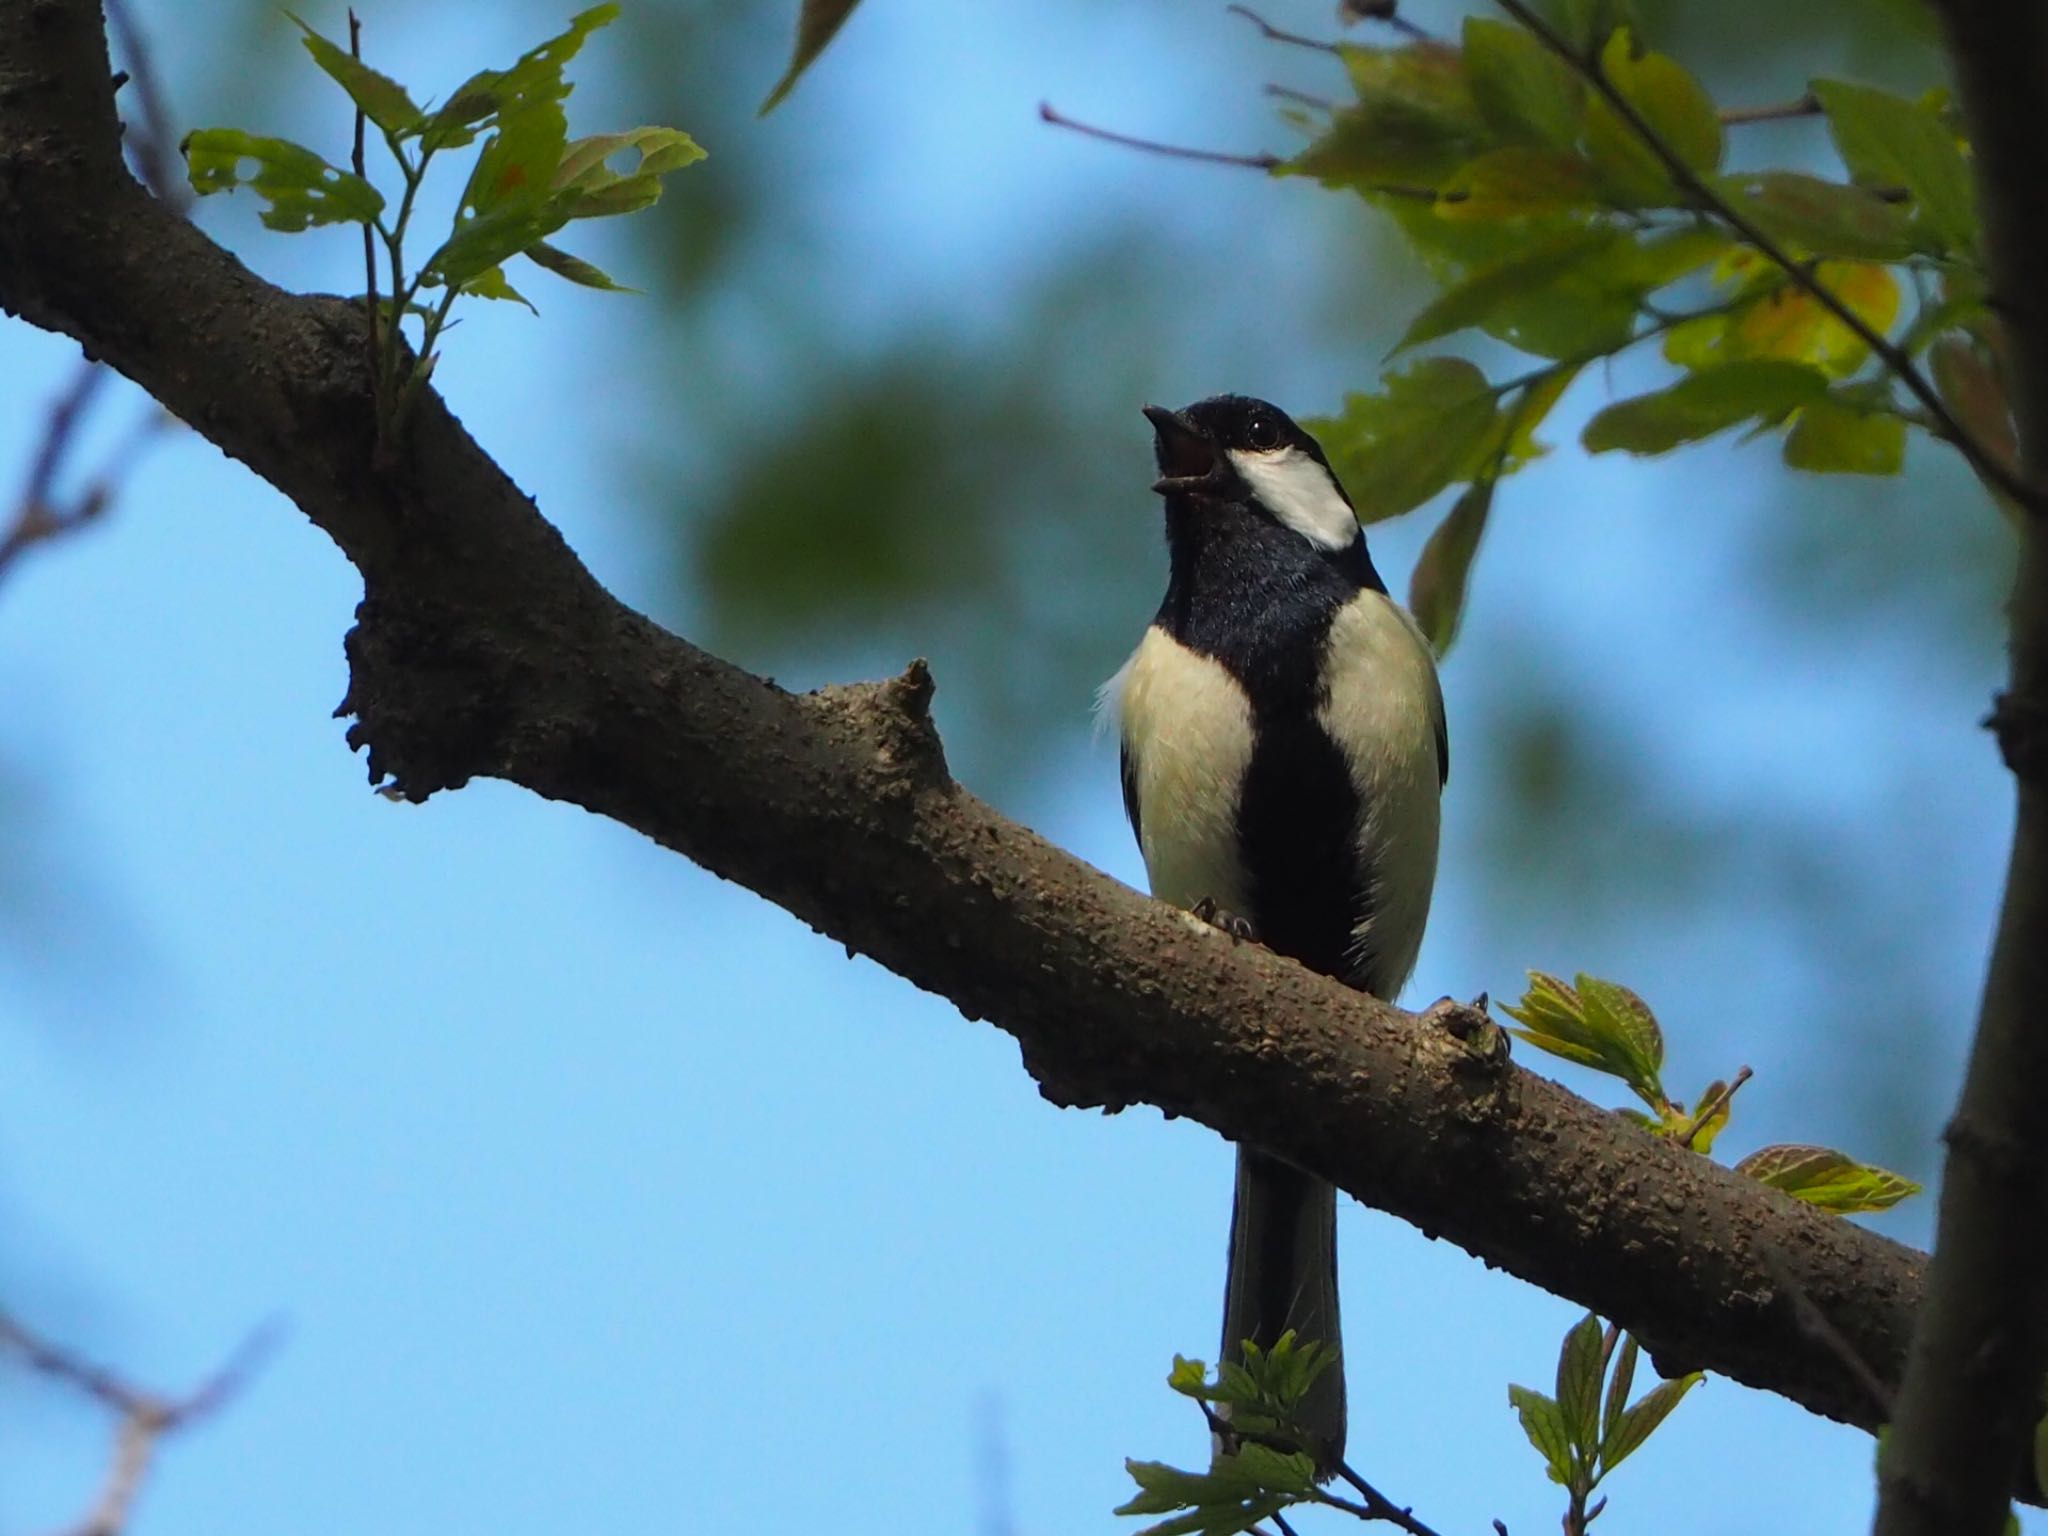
column 1048, row 113
column 1280, row 1522
column 39, row 515
column 143, row 1418
column 1387, row 12
column 1373, row 1504
column 1274, row 34
column 1712, row 1105
column 155, row 148
column 1289, row 93
column 1981, row 459
column 1807, row 105
column 372, row 331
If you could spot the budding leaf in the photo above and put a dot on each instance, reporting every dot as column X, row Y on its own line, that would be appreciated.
column 383, row 100
column 299, row 188
column 1578, row 1385
column 1603, row 1035
column 1545, row 1427
column 1832, row 1180
column 1641, row 1421
column 493, row 284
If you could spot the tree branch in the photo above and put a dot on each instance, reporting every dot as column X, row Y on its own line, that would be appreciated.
column 484, row 647
column 1973, row 1384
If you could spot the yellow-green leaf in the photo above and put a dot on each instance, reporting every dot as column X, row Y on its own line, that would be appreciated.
column 1822, row 218
column 1545, row 1427
column 1821, row 1176
column 574, row 268
column 1703, row 403
column 1414, row 121
column 299, row 189
column 1436, row 591
column 1516, row 182
column 1535, row 270
column 1526, row 93
column 1428, row 425
column 1578, row 1385
column 383, row 100
column 1892, row 144
column 493, row 284
column 1834, row 438
column 1673, row 105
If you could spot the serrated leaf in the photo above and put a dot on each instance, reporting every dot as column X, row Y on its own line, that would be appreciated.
column 1674, row 106
column 1427, row 426
column 1620, row 1381
column 1525, row 92
column 818, row 22
column 1833, row 438
column 1545, row 1427
column 1703, row 403
column 1414, row 121
column 535, row 76
column 1890, row 143
column 1641, row 1421
column 1824, row 218
column 1560, row 1019
column 299, row 189
column 382, row 99
column 574, row 268
column 1436, row 591
column 1188, row 1377
column 493, row 284
column 1578, row 1386
column 1821, row 1176
column 1613, row 1010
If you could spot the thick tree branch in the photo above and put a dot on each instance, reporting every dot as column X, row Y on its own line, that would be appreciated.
column 1973, row 1384
column 483, row 647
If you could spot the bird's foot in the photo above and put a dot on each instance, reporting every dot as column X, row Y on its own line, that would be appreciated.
column 1239, row 928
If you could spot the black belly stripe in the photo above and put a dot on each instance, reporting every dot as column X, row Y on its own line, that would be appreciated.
column 1297, row 836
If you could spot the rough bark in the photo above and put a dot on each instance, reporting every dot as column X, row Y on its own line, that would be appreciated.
column 484, row 647
column 1973, row 1385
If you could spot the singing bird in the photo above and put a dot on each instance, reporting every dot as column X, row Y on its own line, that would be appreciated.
column 1284, row 751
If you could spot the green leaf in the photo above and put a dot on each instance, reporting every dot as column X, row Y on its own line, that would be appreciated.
column 1703, row 1130
column 1559, row 1019
column 1578, row 1386
column 1589, row 23
column 1414, row 122
column 510, row 203
column 594, row 189
column 382, row 99
column 492, row 284
column 1218, row 1519
column 1637, row 1425
column 1533, row 270
column 1821, row 1176
column 1890, row 143
column 299, row 188
column 1835, row 438
column 1429, row 425
column 1619, row 1383
column 1614, row 1011
column 1702, row 404
column 1674, row 106
column 535, row 77
column 1436, row 591
column 1824, row 218
column 1517, row 182
column 1525, row 92
column 1545, row 1427
column 817, row 23
column 574, row 268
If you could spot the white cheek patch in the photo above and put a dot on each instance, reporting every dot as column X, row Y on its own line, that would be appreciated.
column 1300, row 492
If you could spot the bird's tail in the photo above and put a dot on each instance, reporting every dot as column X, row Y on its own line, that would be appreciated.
column 1283, row 1274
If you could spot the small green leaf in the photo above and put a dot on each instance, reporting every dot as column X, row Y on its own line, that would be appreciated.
column 1561, row 1020
column 492, row 284
column 1641, row 1421
column 1702, row 404
column 1536, row 269
column 1892, row 144
column 383, row 100
column 1825, row 218
column 1578, row 1386
column 299, row 188
column 1834, row 438
column 817, row 23
column 1429, row 425
column 574, row 268
column 1414, row 122
column 593, row 189
column 535, row 77
column 1674, row 106
column 1821, row 1176
column 1526, row 93
column 1545, row 1427
column 1619, row 1383
column 1436, row 591
column 1613, row 1010
column 1702, row 1130
column 1517, row 182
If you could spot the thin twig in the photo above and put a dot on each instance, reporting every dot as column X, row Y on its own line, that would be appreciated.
column 1047, row 113
column 1274, row 34
column 1807, row 105
column 1902, row 367
column 39, row 515
column 1386, row 11
column 153, row 150
column 1280, row 1521
column 1289, row 93
column 380, row 451
column 1712, row 1106
column 1375, row 1505
column 144, row 1418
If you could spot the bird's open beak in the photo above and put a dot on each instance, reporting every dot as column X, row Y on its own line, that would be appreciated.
column 1187, row 459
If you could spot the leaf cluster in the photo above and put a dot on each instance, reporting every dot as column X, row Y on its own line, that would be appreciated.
column 1607, row 1027
column 1569, row 196
column 528, row 180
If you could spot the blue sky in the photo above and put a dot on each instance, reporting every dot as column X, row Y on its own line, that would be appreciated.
column 593, row 1192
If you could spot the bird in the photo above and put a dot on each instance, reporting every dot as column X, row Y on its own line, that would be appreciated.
column 1284, row 751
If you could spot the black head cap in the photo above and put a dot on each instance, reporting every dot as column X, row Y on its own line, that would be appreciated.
column 1192, row 445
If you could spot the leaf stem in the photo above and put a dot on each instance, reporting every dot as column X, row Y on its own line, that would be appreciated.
column 1980, row 457
column 1375, row 1505
column 370, row 232
column 1712, row 1106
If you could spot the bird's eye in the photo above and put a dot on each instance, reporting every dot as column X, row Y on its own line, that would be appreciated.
column 1263, row 431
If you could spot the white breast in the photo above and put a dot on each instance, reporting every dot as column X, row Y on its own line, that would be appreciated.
column 1384, row 709
column 1187, row 728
